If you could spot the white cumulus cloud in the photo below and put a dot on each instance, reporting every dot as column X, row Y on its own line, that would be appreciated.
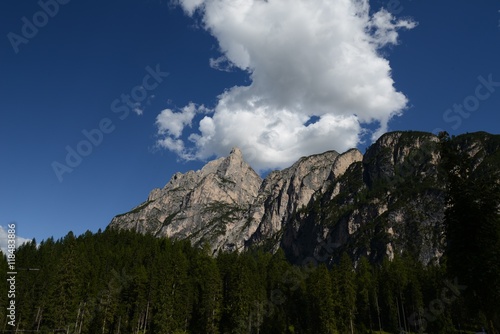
column 317, row 78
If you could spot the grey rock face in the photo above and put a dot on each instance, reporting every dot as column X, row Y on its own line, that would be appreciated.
column 228, row 205
column 393, row 201
column 285, row 192
column 210, row 205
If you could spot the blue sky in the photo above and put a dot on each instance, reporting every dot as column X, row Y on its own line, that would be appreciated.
column 62, row 80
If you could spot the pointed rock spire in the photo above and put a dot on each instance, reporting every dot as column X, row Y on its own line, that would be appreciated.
column 236, row 152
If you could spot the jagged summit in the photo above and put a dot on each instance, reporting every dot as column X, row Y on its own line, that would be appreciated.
column 236, row 152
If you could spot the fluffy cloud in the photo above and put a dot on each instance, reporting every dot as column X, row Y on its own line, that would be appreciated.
column 317, row 78
column 4, row 240
column 171, row 125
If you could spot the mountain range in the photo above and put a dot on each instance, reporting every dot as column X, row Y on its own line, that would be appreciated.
column 389, row 200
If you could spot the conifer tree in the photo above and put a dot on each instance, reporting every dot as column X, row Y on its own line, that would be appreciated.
column 345, row 278
column 65, row 285
column 321, row 311
column 207, row 296
column 365, row 291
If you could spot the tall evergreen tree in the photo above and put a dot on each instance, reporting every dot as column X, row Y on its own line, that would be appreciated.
column 321, row 311
column 365, row 292
column 64, row 288
column 345, row 279
column 207, row 308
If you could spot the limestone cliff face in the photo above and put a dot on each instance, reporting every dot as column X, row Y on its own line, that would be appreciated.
column 285, row 192
column 228, row 205
column 393, row 201
column 389, row 200
column 210, row 205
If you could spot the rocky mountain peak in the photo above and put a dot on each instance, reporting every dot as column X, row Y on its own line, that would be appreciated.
column 235, row 167
column 208, row 205
column 235, row 151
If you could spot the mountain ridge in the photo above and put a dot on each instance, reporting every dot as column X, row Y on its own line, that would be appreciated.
column 391, row 199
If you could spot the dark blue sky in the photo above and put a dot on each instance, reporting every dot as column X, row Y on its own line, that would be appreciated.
column 64, row 79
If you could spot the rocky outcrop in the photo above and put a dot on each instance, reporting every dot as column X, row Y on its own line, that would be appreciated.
column 388, row 201
column 285, row 192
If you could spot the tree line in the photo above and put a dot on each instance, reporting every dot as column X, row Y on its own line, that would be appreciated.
column 124, row 282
